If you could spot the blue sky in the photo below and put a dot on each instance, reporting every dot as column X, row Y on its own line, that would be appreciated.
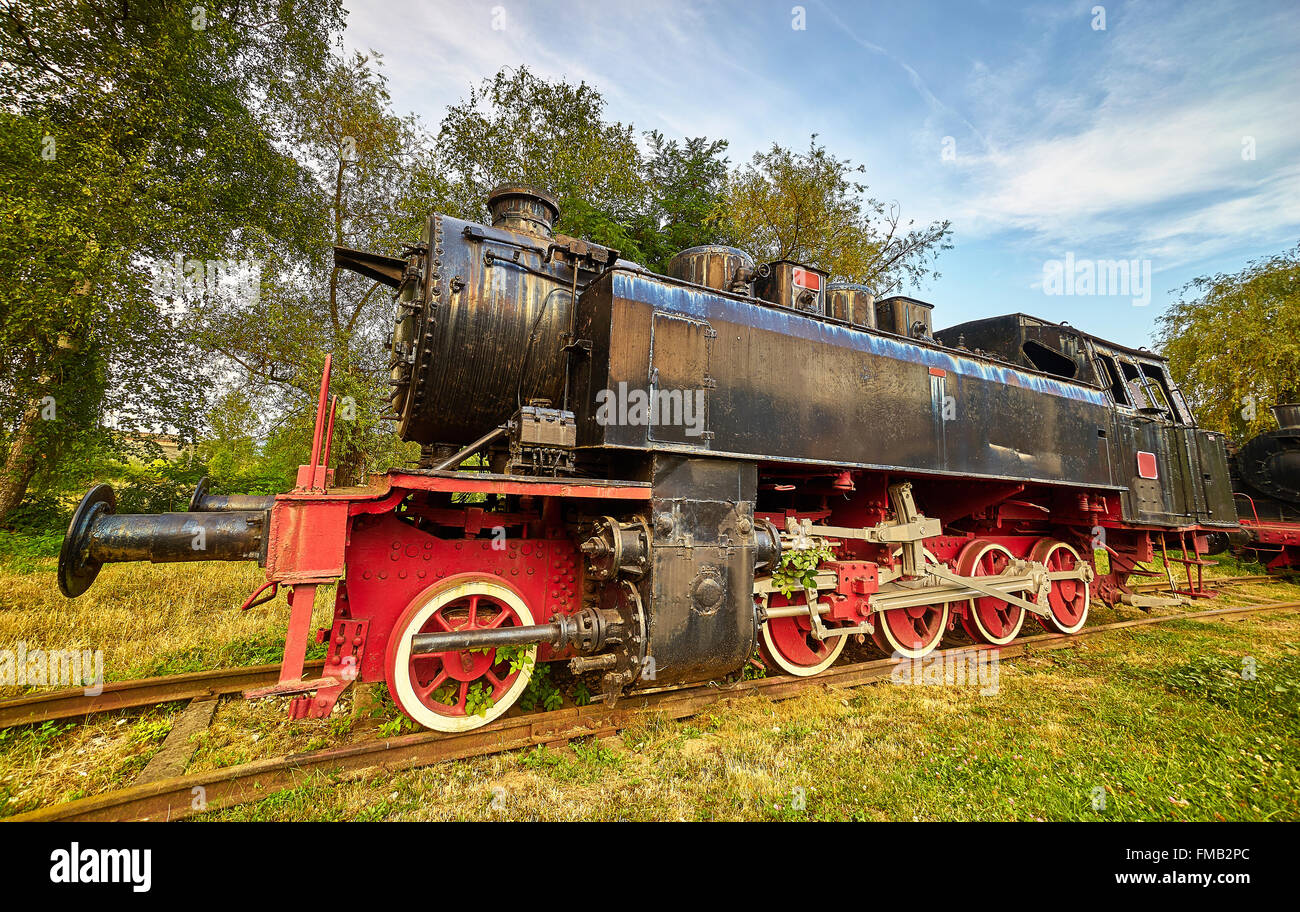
column 1129, row 142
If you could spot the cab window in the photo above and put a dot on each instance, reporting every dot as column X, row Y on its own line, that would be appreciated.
column 1110, row 375
column 1165, row 397
column 1133, row 383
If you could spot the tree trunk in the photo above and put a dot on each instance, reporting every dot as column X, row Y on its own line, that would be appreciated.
column 21, row 464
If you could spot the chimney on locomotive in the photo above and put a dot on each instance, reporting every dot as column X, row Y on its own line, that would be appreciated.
column 525, row 209
column 1287, row 415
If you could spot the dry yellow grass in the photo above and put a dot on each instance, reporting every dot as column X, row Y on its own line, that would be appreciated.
column 147, row 617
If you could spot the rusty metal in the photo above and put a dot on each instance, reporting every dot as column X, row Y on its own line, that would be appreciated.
column 795, row 286
column 203, row 502
column 851, row 303
column 525, row 209
column 904, row 316
column 75, row 703
column 714, row 266
column 173, row 799
column 96, row 536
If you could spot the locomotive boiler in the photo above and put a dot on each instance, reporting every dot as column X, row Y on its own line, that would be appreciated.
column 654, row 450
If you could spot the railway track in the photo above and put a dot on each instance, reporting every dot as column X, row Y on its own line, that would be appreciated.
column 1216, row 581
column 182, row 796
column 75, row 703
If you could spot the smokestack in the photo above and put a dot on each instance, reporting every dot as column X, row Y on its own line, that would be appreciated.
column 1288, row 416
column 527, row 210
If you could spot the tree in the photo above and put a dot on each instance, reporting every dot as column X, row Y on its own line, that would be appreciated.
column 134, row 132
column 375, row 182
column 809, row 208
column 517, row 127
column 685, row 184
column 1234, row 343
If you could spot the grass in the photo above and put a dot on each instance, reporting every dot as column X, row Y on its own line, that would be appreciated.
column 1183, row 721
column 148, row 619
column 26, row 553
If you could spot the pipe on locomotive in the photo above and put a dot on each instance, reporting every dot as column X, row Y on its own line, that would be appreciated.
column 98, row 536
column 203, row 502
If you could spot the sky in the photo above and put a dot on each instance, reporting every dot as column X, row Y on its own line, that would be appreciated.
column 1053, row 135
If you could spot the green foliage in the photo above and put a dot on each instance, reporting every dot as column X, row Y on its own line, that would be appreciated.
column 518, row 657
column 27, row 552
column 156, row 487
column 541, row 691
column 393, row 727
column 147, row 731
column 519, row 127
column 809, row 207
column 35, row 737
column 580, row 693
column 372, row 182
column 1233, row 342
column 797, row 570
column 40, row 513
column 478, row 699
column 130, row 135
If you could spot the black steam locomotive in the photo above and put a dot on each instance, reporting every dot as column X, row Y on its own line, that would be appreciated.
column 1266, row 479
column 677, row 471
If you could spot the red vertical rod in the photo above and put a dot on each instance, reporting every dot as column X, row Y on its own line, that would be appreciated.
column 320, row 412
column 329, row 435
column 301, row 600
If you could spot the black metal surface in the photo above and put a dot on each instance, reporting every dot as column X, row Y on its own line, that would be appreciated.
column 486, row 323
column 203, row 502
column 482, row 326
column 175, row 537
column 457, row 640
column 98, row 536
column 385, row 269
column 702, row 620
column 782, row 386
column 77, row 568
column 1270, row 464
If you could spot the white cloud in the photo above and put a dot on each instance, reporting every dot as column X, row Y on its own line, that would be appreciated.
column 1138, row 141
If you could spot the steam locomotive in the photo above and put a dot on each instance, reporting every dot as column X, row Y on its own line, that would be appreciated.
column 1266, row 481
column 655, row 477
